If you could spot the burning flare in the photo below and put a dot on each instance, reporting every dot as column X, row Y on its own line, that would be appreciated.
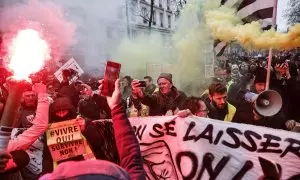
column 28, row 53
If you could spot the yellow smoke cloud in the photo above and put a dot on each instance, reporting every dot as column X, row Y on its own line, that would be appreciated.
column 134, row 54
column 185, row 58
column 225, row 25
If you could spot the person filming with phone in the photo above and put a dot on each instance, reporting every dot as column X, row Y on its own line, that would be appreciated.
column 163, row 102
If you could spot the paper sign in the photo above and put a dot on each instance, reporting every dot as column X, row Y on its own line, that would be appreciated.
column 65, row 140
column 70, row 64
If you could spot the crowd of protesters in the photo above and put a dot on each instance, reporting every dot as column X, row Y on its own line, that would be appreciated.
column 226, row 99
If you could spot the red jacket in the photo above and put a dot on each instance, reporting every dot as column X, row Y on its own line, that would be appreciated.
column 127, row 144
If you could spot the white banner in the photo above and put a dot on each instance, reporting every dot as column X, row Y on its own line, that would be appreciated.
column 70, row 64
column 198, row 148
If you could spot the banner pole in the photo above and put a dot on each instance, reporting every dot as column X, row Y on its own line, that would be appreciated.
column 270, row 50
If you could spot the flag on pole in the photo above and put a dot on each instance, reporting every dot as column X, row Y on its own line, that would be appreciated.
column 249, row 10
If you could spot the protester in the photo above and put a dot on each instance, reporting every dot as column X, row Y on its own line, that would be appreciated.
column 235, row 74
column 126, row 87
column 137, row 109
column 168, row 99
column 150, row 87
column 249, row 115
column 12, row 163
column 193, row 106
column 260, row 80
column 93, row 106
column 292, row 125
column 28, row 108
column 33, row 121
column 237, row 90
column 244, row 68
column 128, row 148
column 226, row 99
column 51, row 91
column 37, row 126
column 289, row 88
column 218, row 106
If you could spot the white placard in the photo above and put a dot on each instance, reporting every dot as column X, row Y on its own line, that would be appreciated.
column 71, row 63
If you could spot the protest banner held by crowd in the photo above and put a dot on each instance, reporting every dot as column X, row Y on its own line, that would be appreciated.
column 64, row 123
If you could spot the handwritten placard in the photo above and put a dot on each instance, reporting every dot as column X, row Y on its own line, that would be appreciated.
column 64, row 140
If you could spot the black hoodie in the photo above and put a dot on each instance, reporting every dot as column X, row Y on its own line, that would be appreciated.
column 95, row 134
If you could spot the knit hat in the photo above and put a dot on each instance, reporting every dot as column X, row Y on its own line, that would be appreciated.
column 260, row 75
column 167, row 76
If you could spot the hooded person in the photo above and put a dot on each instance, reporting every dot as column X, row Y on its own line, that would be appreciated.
column 163, row 102
column 97, row 136
column 131, row 164
column 61, row 109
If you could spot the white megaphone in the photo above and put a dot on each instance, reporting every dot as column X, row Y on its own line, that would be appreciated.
column 267, row 103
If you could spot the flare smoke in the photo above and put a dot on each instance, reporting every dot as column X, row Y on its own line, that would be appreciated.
column 45, row 17
column 225, row 25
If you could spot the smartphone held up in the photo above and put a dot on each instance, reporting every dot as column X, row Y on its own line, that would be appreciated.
column 142, row 84
column 111, row 74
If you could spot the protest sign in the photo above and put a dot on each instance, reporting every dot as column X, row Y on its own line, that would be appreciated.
column 65, row 140
column 70, row 64
column 199, row 148
column 34, row 151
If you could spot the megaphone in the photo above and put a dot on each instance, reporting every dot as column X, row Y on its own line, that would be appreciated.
column 267, row 103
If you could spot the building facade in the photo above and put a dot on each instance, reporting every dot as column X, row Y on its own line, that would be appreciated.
column 163, row 19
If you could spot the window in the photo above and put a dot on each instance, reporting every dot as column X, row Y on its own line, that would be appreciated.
column 154, row 18
column 169, row 21
column 168, row 4
column 161, row 17
column 160, row 3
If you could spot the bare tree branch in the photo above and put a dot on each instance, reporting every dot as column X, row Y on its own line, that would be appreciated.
column 178, row 5
column 145, row 14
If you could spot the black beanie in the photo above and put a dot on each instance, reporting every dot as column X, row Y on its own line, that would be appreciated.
column 260, row 75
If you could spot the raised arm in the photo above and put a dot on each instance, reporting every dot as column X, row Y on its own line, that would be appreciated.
column 40, row 122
